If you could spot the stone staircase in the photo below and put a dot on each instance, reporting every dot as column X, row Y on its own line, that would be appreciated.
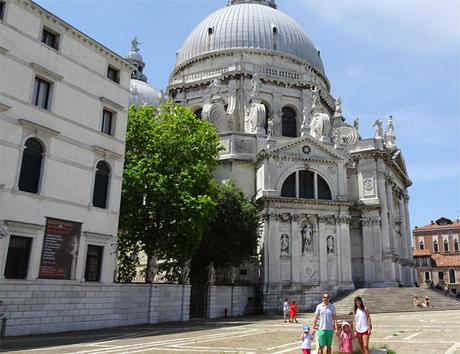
column 387, row 300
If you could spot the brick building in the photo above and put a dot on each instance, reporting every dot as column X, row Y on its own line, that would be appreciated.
column 437, row 253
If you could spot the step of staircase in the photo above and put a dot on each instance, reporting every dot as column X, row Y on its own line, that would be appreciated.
column 387, row 300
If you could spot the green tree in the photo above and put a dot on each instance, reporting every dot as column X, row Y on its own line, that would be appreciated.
column 232, row 236
column 167, row 192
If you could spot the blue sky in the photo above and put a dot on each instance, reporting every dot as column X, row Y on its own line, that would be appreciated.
column 392, row 57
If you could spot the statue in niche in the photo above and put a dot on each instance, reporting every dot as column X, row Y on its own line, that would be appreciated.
column 270, row 127
column 211, row 274
column 307, row 239
column 330, row 244
column 284, row 245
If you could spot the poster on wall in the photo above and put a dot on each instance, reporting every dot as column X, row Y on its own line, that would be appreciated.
column 60, row 249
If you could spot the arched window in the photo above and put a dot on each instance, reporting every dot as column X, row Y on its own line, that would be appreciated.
column 310, row 186
column 31, row 166
column 456, row 247
column 323, row 189
column 452, row 279
column 422, row 246
column 435, row 246
column 101, row 185
column 288, row 189
column 198, row 113
column 289, row 123
column 446, row 245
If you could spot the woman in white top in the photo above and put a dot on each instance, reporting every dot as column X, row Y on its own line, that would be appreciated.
column 362, row 324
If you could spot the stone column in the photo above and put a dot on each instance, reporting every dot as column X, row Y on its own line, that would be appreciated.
column 404, row 245
column 377, row 256
column 345, row 254
column 409, row 238
column 384, row 212
column 277, row 106
column 296, row 246
column 385, row 232
column 323, row 277
column 391, row 233
column 368, row 250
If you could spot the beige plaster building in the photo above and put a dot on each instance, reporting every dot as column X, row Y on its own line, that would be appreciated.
column 437, row 253
column 63, row 115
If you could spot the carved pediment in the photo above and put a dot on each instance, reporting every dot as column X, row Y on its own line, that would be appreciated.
column 307, row 147
column 398, row 159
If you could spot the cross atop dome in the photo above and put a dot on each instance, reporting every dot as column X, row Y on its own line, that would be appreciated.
column 270, row 3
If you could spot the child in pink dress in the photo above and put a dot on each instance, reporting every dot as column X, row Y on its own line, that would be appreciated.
column 346, row 338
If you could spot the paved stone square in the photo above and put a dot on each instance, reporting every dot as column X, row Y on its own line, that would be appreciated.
column 409, row 332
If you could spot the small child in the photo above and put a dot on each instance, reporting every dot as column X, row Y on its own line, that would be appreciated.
column 286, row 310
column 306, row 340
column 293, row 312
column 346, row 338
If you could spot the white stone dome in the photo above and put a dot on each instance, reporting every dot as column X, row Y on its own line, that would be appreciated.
column 141, row 93
column 249, row 26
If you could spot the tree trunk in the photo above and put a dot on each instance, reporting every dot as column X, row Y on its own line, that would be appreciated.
column 152, row 269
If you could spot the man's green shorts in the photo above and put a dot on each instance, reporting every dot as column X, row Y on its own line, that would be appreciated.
column 325, row 337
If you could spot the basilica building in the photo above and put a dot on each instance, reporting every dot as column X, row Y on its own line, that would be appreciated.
column 335, row 203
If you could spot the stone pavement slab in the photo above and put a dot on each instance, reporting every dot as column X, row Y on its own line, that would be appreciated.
column 403, row 333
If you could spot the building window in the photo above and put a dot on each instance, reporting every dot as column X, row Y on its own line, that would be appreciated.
column 17, row 260
column 311, row 186
column 435, row 246
column 289, row 122
column 101, row 185
column 446, row 245
column 41, row 95
column 427, row 276
column 107, row 122
column 93, row 263
column 51, row 39
column 421, row 245
column 441, row 277
column 288, row 189
column 31, row 166
column 2, row 9
column 456, row 246
column 452, row 279
column 113, row 74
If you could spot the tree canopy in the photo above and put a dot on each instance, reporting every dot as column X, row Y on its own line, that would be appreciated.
column 168, row 188
column 232, row 235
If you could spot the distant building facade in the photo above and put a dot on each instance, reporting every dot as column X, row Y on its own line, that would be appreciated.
column 63, row 116
column 437, row 253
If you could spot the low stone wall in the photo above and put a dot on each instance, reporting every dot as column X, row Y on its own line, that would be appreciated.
column 45, row 306
column 238, row 300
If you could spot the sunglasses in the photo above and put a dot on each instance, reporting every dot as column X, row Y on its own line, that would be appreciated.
column 325, row 297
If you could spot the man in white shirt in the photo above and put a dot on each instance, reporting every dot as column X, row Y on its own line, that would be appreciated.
column 325, row 312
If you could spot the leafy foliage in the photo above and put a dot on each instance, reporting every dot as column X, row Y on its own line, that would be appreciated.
column 167, row 192
column 232, row 236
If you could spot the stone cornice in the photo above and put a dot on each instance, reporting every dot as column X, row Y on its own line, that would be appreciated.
column 4, row 107
column 385, row 156
column 236, row 51
column 111, row 104
column 298, row 201
column 37, row 127
column 106, row 153
column 48, row 74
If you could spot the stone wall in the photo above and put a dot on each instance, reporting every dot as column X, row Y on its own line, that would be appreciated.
column 238, row 300
column 34, row 307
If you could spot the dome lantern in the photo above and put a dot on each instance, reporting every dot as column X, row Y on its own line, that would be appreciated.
column 270, row 3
